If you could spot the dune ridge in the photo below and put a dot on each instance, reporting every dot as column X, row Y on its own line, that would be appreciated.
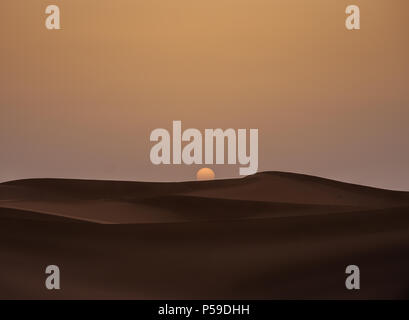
column 126, row 202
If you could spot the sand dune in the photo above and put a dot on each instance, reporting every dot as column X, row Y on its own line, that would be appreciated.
column 271, row 235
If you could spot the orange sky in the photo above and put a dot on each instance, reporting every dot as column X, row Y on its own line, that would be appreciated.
column 81, row 102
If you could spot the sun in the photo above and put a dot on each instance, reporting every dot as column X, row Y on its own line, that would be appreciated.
column 205, row 174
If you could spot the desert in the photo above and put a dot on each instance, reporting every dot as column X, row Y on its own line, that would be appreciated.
column 272, row 235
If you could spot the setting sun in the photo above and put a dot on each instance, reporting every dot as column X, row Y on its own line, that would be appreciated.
column 205, row 174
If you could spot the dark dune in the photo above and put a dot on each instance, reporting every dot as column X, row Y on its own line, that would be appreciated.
column 271, row 235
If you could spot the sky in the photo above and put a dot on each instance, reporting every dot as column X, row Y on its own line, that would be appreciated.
column 81, row 102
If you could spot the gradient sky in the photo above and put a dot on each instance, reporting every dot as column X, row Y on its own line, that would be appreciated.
column 81, row 102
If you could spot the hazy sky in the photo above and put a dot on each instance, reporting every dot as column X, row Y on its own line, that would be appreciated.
column 81, row 102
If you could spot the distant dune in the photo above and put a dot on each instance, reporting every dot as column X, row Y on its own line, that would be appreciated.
column 270, row 235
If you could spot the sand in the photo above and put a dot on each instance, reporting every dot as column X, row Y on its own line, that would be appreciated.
column 272, row 235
